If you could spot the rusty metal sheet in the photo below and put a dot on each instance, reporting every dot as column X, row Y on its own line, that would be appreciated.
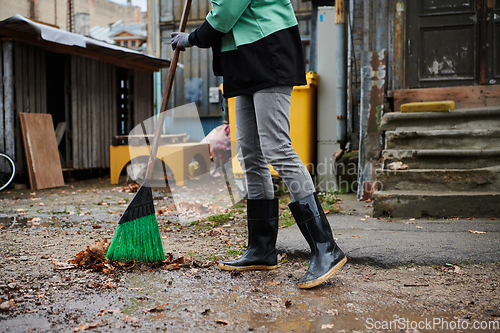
column 373, row 78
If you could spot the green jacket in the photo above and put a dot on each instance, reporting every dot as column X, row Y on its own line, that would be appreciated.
column 247, row 21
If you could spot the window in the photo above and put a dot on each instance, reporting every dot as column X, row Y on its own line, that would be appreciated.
column 132, row 43
column 125, row 43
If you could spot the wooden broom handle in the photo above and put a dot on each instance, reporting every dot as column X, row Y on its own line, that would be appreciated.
column 166, row 94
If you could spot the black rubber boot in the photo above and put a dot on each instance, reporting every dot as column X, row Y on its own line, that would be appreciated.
column 326, row 256
column 262, row 233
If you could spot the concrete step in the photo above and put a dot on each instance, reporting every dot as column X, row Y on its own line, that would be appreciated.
column 443, row 158
column 483, row 118
column 472, row 180
column 436, row 204
column 443, row 139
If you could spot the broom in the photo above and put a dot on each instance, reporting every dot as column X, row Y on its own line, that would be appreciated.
column 137, row 236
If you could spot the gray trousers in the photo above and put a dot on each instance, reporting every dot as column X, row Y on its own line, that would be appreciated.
column 263, row 135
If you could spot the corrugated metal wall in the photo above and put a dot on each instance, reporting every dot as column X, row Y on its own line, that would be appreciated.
column 94, row 109
column 143, row 96
column 30, row 90
column 196, row 77
column 93, row 112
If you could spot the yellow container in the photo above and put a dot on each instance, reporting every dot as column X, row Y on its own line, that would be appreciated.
column 302, row 125
column 428, row 106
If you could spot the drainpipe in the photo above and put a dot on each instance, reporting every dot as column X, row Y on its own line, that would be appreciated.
column 341, row 57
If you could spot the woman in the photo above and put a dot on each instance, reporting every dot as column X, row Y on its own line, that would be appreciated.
column 257, row 50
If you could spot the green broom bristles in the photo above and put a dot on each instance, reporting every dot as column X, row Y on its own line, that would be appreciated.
column 137, row 236
column 137, row 240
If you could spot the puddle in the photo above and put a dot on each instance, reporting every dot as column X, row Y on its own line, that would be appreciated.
column 203, row 299
column 211, row 301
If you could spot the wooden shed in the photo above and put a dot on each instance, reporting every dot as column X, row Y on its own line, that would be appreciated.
column 92, row 89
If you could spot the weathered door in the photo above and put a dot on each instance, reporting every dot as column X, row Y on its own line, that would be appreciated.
column 493, row 32
column 452, row 42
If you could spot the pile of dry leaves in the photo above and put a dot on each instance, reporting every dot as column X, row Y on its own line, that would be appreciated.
column 94, row 258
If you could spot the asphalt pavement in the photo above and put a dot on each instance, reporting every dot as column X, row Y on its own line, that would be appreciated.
column 389, row 242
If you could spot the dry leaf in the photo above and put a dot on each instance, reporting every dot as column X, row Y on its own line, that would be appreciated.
column 63, row 265
column 418, row 227
column 223, row 322
column 155, row 309
column 131, row 320
column 83, row 327
column 108, row 311
column 273, row 283
column 94, row 257
column 326, row 326
column 7, row 305
column 217, row 232
column 173, row 261
column 398, row 166
column 282, row 256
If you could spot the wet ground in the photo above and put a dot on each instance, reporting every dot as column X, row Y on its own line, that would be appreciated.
column 40, row 228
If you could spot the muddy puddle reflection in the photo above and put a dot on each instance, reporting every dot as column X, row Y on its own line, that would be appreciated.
column 210, row 301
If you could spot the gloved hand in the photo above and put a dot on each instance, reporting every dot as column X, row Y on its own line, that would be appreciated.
column 180, row 40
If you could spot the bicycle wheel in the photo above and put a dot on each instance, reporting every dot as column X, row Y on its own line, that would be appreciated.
column 7, row 170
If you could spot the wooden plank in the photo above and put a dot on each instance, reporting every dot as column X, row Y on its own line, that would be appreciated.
column 74, row 111
column 102, row 113
column 97, row 115
column 465, row 97
column 18, row 76
column 112, row 103
column 38, row 80
column 43, row 82
column 67, row 111
column 106, row 113
column 93, row 119
column 26, row 92
column 19, row 49
column 31, row 79
column 41, row 148
column 114, row 106
column 8, row 96
column 84, row 134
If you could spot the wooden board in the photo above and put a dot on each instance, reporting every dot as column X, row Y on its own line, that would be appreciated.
column 40, row 146
column 467, row 97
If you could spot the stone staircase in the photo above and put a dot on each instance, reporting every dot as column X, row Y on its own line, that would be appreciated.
column 454, row 164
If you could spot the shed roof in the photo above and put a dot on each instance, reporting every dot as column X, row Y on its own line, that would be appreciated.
column 56, row 40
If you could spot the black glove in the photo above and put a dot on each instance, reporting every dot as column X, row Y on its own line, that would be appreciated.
column 180, row 40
